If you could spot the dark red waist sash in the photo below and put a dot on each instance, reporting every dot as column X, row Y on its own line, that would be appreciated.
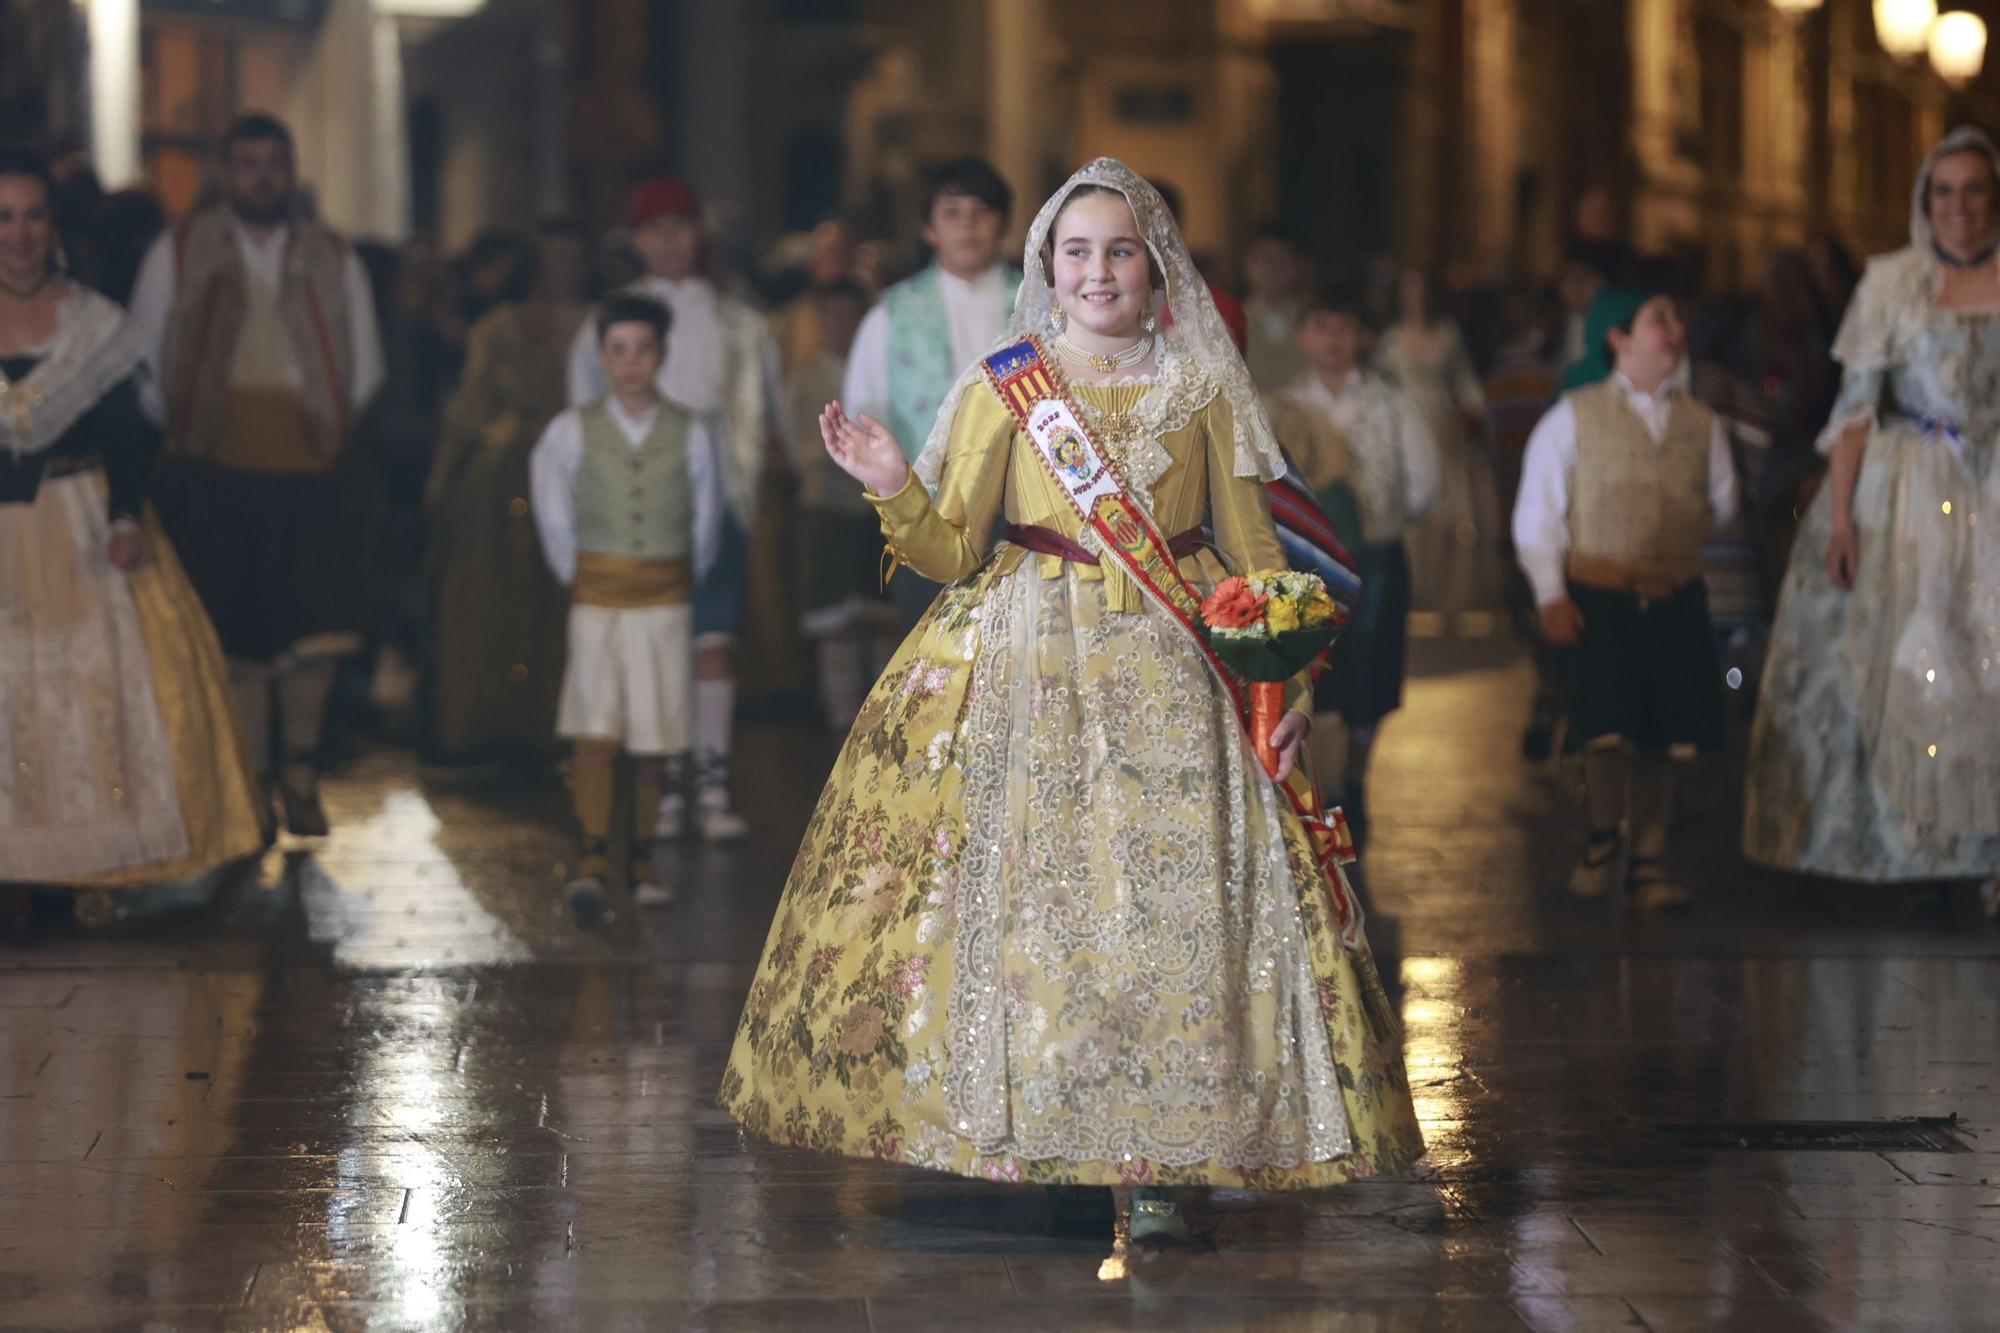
column 1047, row 541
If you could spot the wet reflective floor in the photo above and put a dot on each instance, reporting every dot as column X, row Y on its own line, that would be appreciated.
column 391, row 1086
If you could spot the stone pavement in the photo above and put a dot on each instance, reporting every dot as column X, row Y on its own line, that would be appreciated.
column 393, row 1087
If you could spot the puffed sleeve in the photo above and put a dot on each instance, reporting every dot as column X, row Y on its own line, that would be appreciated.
column 945, row 539
column 1240, row 506
column 1868, row 343
column 1240, row 509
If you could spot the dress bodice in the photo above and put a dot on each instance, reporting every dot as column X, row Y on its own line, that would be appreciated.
column 111, row 433
column 1951, row 372
column 1904, row 356
column 1174, row 442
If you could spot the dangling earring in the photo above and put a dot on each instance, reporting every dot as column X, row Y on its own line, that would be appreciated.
column 59, row 257
column 1148, row 323
column 1057, row 319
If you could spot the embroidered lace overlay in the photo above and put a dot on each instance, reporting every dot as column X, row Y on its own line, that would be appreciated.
column 1134, row 978
column 1047, row 923
column 94, row 348
column 86, row 762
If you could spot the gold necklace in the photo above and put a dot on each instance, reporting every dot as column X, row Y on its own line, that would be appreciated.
column 1104, row 365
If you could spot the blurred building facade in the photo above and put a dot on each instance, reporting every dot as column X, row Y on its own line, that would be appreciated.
column 1458, row 133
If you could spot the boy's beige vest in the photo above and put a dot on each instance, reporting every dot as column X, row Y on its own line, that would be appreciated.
column 1639, row 510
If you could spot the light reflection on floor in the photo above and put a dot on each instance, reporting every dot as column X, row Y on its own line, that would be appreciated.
column 425, row 1100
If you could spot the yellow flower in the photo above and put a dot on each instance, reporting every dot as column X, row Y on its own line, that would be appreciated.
column 1319, row 611
column 1282, row 614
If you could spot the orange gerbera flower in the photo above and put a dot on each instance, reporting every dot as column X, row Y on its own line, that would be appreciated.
column 1233, row 605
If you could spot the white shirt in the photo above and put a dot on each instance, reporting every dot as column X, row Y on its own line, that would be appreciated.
column 695, row 371
column 975, row 316
column 153, row 301
column 1541, row 508
column 1372, row 413
column 1274, row 319
column 552, row 485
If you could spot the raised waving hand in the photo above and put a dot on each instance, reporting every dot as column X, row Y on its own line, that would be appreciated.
column 864, row 449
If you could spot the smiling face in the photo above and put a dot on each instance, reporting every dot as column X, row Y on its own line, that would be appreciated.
column 27, row 231
column 1960, row 202
column 1102, row 273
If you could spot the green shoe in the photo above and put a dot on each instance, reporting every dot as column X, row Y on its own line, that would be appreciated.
column 1157, row 1223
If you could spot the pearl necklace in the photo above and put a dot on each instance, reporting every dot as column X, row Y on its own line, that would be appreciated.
column 1104, row 365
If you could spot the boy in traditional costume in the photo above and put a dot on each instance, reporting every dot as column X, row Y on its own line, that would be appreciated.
column 1051, row 921
column 722, row 367
column 1346, row 423
column 913, row 346
column 628, row 497
column 1620, row 484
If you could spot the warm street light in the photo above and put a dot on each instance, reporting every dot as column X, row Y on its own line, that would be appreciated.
column 1903, row 26
column 1958, row 47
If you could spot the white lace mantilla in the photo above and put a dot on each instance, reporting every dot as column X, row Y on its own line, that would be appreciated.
column 1198, row 359
column 94, row 348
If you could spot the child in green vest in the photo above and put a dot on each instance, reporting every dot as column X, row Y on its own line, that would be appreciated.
column 1620, row 483
column 912, row 347
column 627, row 495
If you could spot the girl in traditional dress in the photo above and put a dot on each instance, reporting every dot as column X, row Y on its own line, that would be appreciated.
column 1876, row 750
column 496, row 661
column 1051, row 922
column 1454, row 551
column 119, row 758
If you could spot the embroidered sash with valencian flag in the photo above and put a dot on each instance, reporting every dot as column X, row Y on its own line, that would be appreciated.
column 1081, row 471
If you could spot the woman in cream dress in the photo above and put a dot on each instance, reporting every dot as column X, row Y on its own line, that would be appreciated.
column 119, row 759
column 1876, row 750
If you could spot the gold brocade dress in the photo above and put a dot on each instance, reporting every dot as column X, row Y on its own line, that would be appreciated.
column 1050, row 922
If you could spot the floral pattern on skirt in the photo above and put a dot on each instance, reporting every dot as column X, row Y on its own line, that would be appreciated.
column 1875, row 754
column 1050, row 922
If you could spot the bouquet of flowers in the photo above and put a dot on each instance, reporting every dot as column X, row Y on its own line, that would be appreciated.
column 1267, row 626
